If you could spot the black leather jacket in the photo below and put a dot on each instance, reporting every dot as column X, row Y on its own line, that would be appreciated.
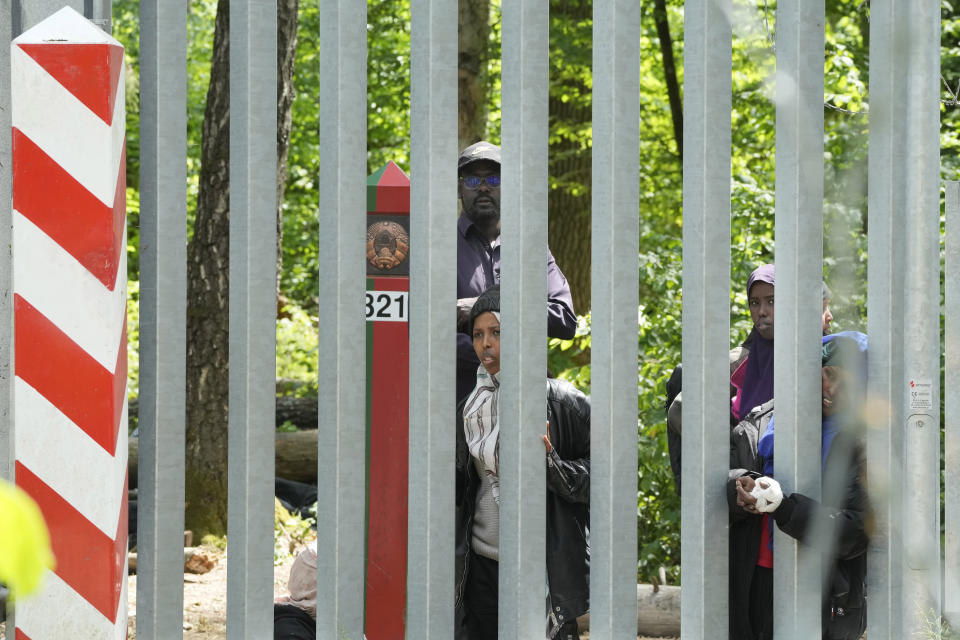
column 568, row 498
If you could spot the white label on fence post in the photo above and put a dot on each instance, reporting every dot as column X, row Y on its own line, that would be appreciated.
column 387, row 306
column 921, row 394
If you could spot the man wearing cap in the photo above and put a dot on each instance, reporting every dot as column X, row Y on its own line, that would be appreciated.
column 478, row 257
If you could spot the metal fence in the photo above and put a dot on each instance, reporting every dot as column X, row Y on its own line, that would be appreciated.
column 905, row 582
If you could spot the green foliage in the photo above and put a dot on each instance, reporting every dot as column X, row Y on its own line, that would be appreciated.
column 299, row 279
column 210, row 540
column 950, row 112
column 133, row 234
column 388, row 131
column 570, row 359
column 388, row 83
column 133, row 339
column 297, row 351
column 935, row 627
column 290, row 532
column 287, row 427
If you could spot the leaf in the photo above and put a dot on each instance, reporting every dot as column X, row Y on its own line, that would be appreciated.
column 25, row 552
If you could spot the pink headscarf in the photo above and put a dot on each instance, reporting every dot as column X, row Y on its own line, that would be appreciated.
column 757, row 385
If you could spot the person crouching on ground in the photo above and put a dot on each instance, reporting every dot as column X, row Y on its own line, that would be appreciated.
column 567, row 466
column 752, row 492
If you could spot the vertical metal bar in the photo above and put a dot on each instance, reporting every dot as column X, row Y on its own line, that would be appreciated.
column 706, row 316
column 163, row 315
column 7, row 426
column 253, row 296
column 341, row 438
column 951, row 595
column 884, row 320
column 30, row 13
column 433, row 154
column 15, row 19
column 524, row 354
column 9, row 32
column 799, row 235
column 615, row 233
column 919, row 392
column 102, row 14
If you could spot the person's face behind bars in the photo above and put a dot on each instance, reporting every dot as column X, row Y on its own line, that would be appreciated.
column 761, row 308
column 835, row 389
column 486, row 341
column 480, row 199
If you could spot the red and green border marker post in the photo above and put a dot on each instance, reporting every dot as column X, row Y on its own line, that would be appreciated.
column 388, row 357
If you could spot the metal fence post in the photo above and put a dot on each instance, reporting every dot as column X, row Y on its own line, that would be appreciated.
column 799, row 236
column 706, row 316
column 99, row 12
column 884, row 322
column 6, row 257
column 26, row 13
column 433, row 151
column 616, row 233
column 163, row 316
column 253, row 299
column 524, row 354
column 341, row 441
column 951, row 595
column 919, row 389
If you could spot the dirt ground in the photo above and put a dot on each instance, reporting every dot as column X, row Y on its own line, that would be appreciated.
column 205, row 601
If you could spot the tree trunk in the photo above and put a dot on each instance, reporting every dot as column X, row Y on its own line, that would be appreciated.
column 208, row 273
column 287, row 19
column 670, row 72
column 473, row 44
column 208, row 304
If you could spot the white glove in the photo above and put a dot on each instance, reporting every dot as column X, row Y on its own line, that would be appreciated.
column 768, row 494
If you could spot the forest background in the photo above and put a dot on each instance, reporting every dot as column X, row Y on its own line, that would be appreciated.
column 846, row 104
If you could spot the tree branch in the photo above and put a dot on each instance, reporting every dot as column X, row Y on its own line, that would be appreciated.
column 670, row 72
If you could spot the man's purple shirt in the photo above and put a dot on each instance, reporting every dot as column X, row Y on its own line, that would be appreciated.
column 478, row 269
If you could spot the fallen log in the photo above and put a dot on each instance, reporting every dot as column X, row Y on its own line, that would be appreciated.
column 301, row 412
column 296, row 456
column 658, row 612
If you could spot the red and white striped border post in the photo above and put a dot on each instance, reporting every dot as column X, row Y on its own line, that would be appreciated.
column 70, row 281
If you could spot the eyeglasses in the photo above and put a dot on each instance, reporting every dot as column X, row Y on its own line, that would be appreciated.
column 474, row 182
